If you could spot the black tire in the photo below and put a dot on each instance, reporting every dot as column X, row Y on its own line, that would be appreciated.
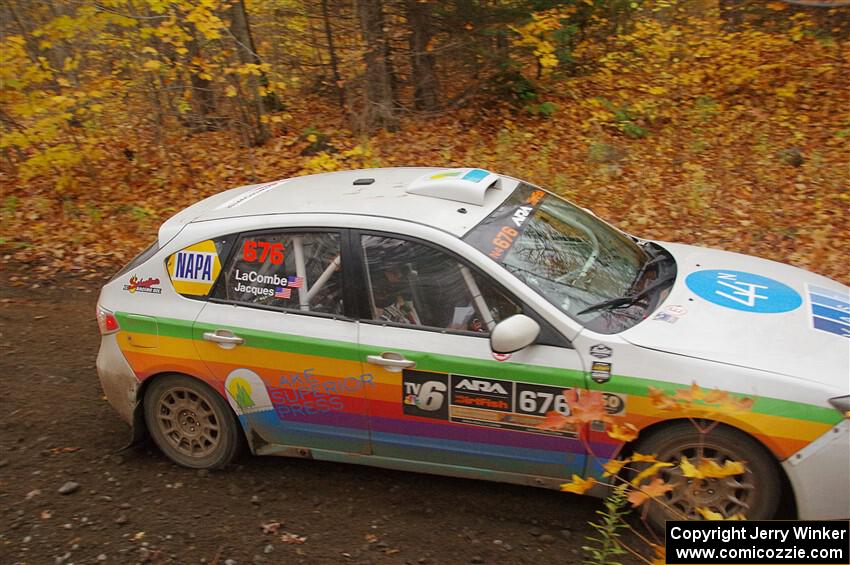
column 191, row 423
column 755, row 493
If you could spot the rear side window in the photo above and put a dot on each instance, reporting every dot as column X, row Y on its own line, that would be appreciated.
column 146, row 254
column 287, row 270
column 193, row 270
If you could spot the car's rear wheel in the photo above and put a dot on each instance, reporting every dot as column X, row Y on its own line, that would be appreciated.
column 753, row 494
column 191, row 423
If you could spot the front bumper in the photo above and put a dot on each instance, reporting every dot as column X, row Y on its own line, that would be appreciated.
column 820, row 475
column 118, row 380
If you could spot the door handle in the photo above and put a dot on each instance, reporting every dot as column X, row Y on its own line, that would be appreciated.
column 226, row 339
column 394, row 362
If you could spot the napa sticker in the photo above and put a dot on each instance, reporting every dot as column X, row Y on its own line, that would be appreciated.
column 194, row 270
column 744, row 291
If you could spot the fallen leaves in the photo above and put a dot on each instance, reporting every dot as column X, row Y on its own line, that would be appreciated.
column 627, row 432
column 270, row 527
column 711, row 469
column 649, row 472
column 578, row 485
column 695, row 399
column 59, row 450
column 612, row 467
column 585, row 406
column 293, row 539
column 709, row 514
column 654, row 489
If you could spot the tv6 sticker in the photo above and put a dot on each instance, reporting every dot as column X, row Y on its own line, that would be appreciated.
column 425, row 394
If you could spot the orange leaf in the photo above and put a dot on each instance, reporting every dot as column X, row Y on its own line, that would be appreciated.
column 650, row 471
column 660, row 554
column 578, row 485
column 652, row 490
column 662, row 400
column 716, row 396
column 613, row 467
column 711, row 469
column 554, row 421
column 626, row 432
column 587, row 407
column 709, row 514
column 744, row 404
column 293, row 539
column 641, row 458
column 691, row 394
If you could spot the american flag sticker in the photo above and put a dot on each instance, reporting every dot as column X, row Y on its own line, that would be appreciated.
column 282, row 292
column 294, row 282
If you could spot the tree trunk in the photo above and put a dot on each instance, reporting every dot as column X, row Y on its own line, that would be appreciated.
column 425, row 85
column 247, row 52
column 203, row 96
column 332, row 53
column 379, row 109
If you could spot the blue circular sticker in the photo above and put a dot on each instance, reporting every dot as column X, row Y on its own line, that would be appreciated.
column 743, row 291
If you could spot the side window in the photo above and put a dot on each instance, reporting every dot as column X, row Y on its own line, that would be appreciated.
column 415, row 284
column 289, row 270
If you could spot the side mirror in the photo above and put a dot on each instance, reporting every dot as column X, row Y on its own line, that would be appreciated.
column 514, row 333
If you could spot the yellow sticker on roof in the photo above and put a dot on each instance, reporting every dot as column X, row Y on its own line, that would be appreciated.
column 194, row 269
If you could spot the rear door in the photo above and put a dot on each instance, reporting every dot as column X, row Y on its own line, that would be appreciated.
column 441, row 397
column 274, row 332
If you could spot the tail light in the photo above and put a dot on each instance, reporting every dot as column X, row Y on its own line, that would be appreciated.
column 106, row 321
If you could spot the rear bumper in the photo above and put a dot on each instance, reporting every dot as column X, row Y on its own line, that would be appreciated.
column 118, row 380
column 819, row 475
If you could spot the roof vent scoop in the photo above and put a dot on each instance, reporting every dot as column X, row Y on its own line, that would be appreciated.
column 461, row 185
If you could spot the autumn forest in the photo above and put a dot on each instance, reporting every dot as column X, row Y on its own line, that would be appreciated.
column 720, row 123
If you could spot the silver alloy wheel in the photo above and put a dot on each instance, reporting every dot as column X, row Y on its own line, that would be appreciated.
column 188, row 422
column 728, row 496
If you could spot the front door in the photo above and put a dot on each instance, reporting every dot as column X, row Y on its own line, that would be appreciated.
column 273, row 332
column 441, row 397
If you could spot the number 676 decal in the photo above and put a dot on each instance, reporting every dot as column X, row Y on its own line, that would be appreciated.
column 262, row 251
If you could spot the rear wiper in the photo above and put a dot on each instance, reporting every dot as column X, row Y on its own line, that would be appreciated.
column 629, row 299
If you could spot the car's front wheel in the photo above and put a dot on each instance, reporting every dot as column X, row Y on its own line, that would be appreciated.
column 753, row 494
column 191, row 423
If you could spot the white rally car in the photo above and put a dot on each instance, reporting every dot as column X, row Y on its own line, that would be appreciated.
column 435, row 319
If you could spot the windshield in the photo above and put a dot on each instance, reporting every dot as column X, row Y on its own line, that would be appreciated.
column 567, row 255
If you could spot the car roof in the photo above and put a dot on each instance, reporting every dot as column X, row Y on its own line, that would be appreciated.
column 439, row 198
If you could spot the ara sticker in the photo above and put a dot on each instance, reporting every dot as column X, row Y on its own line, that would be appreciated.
column 830, row 310
column 600, row 351
column 194, row 269
column 744, row 291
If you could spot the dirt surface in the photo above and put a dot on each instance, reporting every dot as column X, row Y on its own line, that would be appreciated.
column 135, row 506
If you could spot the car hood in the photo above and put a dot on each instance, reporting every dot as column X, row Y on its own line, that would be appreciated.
column 755, row 313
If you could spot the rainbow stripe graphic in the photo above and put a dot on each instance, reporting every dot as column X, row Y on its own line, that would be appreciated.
column 307, row 392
